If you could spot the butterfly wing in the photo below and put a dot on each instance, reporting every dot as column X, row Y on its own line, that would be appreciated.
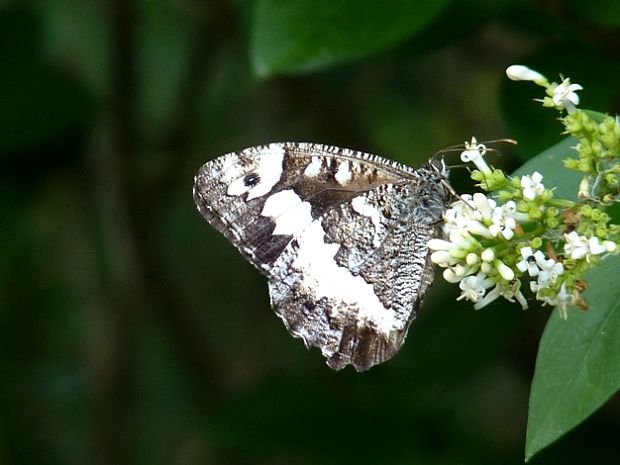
column 340, row 234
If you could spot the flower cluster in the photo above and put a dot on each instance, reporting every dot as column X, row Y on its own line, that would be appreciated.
column 473, row 225
column 520, row 232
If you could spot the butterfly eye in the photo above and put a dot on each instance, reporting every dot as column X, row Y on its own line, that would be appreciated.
column 251, row 179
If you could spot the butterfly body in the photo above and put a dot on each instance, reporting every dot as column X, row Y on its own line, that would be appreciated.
column 340, row 234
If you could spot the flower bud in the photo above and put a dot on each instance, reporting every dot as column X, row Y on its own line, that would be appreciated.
column 523, row 73
column 504, row 271
column 472, row 259
column 487, row 255
column 570, row 163
column 486, row 267
column 450, row 276
column 440, row 257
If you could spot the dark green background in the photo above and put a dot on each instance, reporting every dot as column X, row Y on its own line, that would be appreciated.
column 131, row 332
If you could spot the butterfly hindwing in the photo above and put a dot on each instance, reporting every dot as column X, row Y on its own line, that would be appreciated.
column 341, row 235
column 352, row 281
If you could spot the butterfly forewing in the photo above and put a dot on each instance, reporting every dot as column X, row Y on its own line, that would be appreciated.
column 341, row 235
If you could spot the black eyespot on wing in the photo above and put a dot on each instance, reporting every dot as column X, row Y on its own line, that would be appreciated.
column 251, row 179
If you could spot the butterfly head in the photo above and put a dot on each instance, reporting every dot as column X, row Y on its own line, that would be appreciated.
column 439, row 166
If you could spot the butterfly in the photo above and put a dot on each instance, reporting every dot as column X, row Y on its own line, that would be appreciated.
column 340, row 234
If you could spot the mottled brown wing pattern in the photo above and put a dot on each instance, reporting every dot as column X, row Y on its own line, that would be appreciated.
column 341, row 235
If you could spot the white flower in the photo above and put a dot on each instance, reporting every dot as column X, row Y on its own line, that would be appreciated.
column 595, row 246
column 482, row 217
column 547, row 276
column 463, row 218
column 484, row 206
column 549, row 271
column 503, row 221
column 561, row 300
column 458, row 215
column 523, row 73
column 474, row 152
column 531, row 185
column 490, row 297
column 565, row 96
column 474, row 287
column 529, row 261
column 535, row 287
column 576, row 246
column 537, row 265
column 509, row 292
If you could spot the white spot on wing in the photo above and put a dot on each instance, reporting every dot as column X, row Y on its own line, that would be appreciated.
column 269, row 171
column 323, row 277
column 343, row 174
column 314, row 168
column 288, row 211
column 361, row 206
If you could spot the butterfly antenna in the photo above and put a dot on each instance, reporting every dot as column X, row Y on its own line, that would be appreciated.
column 497, row 141
column 454, row 148
column 458, row 165
column 455, row 194
column 461, row 147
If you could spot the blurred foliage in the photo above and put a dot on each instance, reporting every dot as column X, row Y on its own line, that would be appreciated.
column 133, row 333
column 291, row 36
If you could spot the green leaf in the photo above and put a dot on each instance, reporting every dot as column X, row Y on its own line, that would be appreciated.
column 302, row 35
column 578, row 367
